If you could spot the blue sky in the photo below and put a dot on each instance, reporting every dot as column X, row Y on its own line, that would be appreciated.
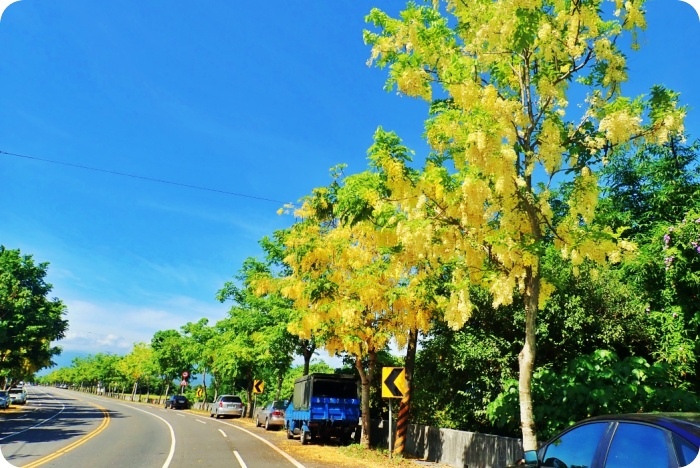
column 252, row 98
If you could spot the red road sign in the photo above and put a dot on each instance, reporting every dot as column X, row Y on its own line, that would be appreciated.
column 185, row 374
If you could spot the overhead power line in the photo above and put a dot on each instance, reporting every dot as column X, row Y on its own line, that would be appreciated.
column 150, row 179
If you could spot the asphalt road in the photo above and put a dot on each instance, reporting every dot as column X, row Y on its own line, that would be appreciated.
column 63, row 428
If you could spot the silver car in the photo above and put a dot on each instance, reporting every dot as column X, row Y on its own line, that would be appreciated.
column 227, row 405
column 18, row 396
column 271, row 415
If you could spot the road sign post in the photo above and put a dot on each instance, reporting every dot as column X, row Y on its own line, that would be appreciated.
column 393, row 386
column 391, row 418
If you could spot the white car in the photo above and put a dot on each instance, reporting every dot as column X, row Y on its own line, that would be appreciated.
column 17, row 396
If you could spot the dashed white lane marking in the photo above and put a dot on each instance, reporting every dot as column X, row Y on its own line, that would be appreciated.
column 240, row 460
column 223, row 433
column 271, row 445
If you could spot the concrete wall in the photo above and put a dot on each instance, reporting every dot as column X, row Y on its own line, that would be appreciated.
column 455, row 448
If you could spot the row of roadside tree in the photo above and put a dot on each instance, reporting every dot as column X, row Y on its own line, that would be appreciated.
column 539, row 264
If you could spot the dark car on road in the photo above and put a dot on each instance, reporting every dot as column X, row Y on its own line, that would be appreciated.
column 623, row 441
column 177, row 402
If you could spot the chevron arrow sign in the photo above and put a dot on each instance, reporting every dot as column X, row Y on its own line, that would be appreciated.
column 394, row 383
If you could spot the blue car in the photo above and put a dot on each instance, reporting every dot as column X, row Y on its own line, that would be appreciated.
column 623, row 441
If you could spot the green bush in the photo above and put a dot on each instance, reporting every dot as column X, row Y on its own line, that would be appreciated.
column 591, row 385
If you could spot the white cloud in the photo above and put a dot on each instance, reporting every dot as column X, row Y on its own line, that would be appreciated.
column 115, row 327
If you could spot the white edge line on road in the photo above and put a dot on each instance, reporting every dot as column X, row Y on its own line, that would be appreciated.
column 240, row 460
column 200, row 421
column 223, row 433
column 272, row 446
column 172, row 433
column 63, row 407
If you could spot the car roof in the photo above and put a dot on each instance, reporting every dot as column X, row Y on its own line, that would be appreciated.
column 685, row 424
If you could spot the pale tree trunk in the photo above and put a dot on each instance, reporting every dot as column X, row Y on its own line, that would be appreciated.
column 307, row 351
column 405, row 406
column 526, row 359
column 366, row 382
column 249, row 408
column 280, row 380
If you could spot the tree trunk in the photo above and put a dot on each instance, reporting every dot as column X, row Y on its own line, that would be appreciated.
column 526, row 360
column 307, row 350
column 204, row 384
column 280, row 380
column 405, row 406
column 249, row 408
column 366, row 382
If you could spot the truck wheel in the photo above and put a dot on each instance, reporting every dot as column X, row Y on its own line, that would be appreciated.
column 290, row 433
column 303, row 438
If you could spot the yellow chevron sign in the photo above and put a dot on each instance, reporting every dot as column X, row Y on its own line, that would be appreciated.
column 394, row 383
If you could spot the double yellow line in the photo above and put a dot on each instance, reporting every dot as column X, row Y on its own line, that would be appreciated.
column 103, row 425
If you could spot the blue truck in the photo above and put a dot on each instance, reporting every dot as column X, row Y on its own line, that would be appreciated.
column 323, row 406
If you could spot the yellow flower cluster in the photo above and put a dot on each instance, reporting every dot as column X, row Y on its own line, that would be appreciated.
column 619, row 126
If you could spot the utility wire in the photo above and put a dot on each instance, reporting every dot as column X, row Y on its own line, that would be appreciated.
column 150, row 179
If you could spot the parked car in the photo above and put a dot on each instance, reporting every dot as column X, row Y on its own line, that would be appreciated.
column 4, row 399
column 18, row 396
column 621, row 441
column 271, row 415
column 177, row 402
column 227, row 405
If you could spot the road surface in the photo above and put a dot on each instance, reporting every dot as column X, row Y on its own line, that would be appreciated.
column 64, row 428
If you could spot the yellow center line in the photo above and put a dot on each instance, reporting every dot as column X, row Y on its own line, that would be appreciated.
column 103, row 425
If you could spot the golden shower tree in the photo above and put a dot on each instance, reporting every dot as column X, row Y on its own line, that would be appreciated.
column 498, row 75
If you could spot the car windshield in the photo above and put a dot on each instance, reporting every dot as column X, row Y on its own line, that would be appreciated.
column 279, row 404
column 16, row 390
column 231, row 399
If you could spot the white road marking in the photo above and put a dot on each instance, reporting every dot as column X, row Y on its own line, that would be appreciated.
column 223, row 433
column 270, row 444
column 181, row 415
column 200, row 421
column 63, row 407
column 172, row 433
column 240, row 460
